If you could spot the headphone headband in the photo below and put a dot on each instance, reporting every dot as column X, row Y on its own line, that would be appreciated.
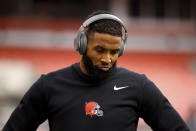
column 104, row 16
column 99, row 17
column 80, row 42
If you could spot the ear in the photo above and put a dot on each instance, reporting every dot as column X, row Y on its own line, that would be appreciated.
column 122, row 48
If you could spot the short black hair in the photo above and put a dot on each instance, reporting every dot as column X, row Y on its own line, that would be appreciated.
column 106, row 26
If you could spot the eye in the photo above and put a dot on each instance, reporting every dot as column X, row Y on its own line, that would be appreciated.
column 100, row 49
column 113, row 52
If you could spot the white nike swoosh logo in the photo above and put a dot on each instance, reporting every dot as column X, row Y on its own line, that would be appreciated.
column 119, row 88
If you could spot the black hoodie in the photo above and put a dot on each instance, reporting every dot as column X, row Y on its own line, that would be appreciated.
column 71, row 102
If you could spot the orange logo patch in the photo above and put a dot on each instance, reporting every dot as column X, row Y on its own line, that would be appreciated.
column 93, row 109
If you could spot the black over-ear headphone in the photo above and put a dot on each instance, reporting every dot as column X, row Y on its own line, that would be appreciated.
column 80, row 42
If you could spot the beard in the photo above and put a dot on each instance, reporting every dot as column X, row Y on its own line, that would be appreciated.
column 94, row 73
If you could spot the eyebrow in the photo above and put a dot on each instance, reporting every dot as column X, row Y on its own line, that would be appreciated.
column 115, row 49
column 98, row 46
column 101, row 47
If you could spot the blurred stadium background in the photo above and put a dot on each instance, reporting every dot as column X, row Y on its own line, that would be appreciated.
column 36, row 37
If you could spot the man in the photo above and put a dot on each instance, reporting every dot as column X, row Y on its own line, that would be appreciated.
column 94, row 94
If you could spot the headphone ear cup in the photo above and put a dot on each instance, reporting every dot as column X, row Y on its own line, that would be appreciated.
column 83, row 43
column 122, row 48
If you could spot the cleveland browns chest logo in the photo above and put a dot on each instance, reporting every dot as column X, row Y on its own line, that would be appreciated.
column 93, row 109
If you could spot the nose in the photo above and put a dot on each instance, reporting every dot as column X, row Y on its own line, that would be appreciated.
column 106, row 59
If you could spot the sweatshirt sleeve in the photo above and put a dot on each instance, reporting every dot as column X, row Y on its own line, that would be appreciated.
column 31, row 111
column 157, row 111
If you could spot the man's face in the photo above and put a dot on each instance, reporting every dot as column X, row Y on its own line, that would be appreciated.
column 102, row 53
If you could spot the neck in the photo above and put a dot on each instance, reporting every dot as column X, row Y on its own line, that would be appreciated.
column 82, row 67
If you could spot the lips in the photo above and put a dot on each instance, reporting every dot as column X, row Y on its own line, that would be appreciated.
column 104, row 68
